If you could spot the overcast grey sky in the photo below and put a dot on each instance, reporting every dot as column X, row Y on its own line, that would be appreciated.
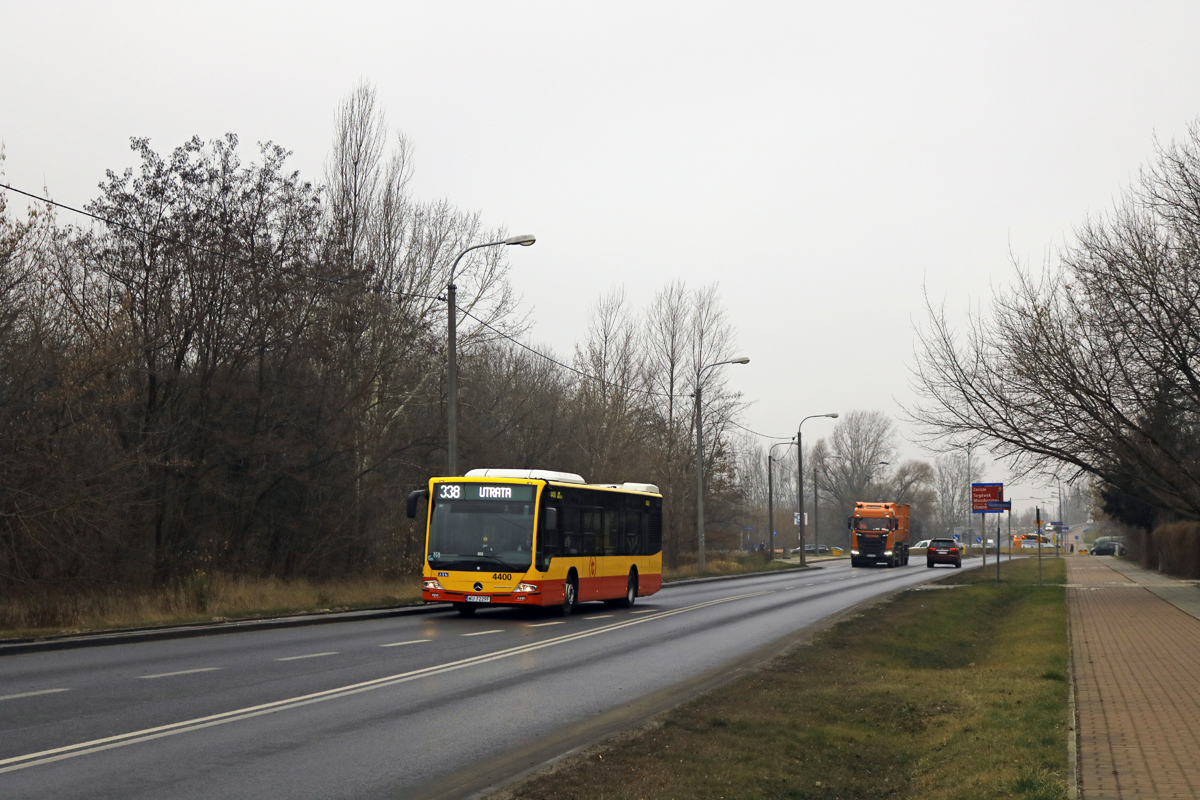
column 823, row 162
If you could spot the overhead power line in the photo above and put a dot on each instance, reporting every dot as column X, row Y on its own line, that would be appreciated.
column 334, row 281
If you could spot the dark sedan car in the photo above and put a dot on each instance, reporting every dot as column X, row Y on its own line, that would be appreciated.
column 943, row 551
column 1106, row 546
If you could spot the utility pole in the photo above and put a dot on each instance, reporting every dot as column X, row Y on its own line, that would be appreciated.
column 800, row 477
column 967, row 535
column 1062, row 517
column 983, row 536
column 817, row 508
column 1038, row 516
column 700, row 454
column 771, row 500
column 770, row 509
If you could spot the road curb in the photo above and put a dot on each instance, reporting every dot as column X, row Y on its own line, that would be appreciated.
column 196, row 629
column 193, row 630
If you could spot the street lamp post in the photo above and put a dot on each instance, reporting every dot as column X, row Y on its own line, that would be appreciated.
column 452, row 350
column 1062, row 517
column 800, row 475
column 771, row 499
column 700, row 453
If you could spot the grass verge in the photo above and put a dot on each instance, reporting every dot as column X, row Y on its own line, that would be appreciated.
column 199, row 597
column 730, row 564
column 204, row 597
column 933, row 694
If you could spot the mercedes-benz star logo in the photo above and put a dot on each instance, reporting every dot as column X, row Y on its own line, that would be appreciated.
column 478, row 586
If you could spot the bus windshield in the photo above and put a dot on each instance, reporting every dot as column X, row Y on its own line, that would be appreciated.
column 872, row 523
column 474, row 534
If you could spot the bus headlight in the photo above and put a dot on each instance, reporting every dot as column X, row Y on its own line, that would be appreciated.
column 431, row 583
column 853, row 552
column 526, row 587
column 887, row 552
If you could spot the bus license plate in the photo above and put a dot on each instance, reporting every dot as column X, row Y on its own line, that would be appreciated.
column 478, row 598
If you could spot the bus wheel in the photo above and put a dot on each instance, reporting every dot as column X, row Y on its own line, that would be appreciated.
column 630, row 591
column 466, row 609
column 570, row 595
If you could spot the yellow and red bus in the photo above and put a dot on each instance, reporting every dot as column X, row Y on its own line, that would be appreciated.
column 538, row 538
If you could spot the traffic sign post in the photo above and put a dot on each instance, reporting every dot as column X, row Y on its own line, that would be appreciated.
column 988, row 498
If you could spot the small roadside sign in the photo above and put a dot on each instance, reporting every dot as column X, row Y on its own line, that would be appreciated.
column 999, row 505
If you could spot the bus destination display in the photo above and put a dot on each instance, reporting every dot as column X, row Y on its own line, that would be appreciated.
column 521, row 493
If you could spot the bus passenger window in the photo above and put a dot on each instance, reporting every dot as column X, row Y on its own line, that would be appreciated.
column 572, row 542
column 550, row 542
column 590, row 528
column 631, row 528
column 612, row 531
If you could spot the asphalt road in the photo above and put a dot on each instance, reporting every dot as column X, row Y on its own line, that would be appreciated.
column 417, row 706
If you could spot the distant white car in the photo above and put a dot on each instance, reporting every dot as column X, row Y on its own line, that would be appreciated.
column 921, row 545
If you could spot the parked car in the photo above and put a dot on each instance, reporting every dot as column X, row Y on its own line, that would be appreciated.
column 812, row 548
column 1108, row 546
column 943, row 551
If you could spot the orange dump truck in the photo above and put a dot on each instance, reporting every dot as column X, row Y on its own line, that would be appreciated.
column 879, row 534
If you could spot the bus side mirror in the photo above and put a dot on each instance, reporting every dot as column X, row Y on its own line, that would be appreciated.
column 850, row 523
column 413, row 499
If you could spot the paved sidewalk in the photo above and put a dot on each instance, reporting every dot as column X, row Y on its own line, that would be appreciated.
column 1184, row 595
column 1135, row 658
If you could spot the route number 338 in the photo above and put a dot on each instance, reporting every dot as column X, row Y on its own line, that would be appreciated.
column 501, row 576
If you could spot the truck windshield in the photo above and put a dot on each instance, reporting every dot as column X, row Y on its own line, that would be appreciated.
column 872, row 524
column 481, row 534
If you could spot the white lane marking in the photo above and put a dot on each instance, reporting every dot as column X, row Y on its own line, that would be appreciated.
column 180, row 672
column 32, row 694
column 399, row 644
column 601, row 616
column 810, row 584
column 647, row 611
column 148, row 734
column 483, row 633
column 544, row 624
column 310, row 655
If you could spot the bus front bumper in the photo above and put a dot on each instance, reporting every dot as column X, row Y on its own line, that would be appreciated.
column 528, row 594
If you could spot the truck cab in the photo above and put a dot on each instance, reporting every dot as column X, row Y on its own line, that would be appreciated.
column 879, row 534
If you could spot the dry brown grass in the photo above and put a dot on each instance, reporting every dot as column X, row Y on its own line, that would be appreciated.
column 199, row 597
column 204, row 597
column 728, row 564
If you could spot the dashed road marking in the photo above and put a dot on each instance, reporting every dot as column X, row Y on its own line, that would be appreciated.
column 179, row 672
column 200, row 723
column 483, row 633
column 647, row 611
column 310, row 655
column 601, row 616
column 32, row 694
column 411, row 641
column 544, row 624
